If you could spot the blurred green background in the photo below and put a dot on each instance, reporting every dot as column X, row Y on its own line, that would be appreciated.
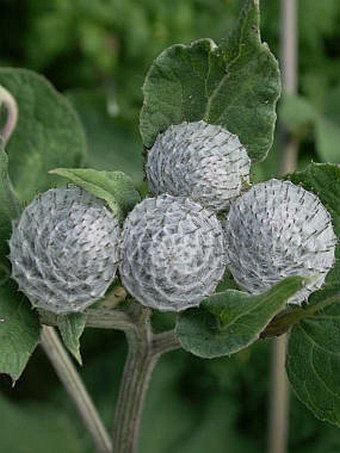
column 97, row 52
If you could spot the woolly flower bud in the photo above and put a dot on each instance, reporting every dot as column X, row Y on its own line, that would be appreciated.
column 172, row 253
column 198, row 160
column 276, row 230
column 64, row 250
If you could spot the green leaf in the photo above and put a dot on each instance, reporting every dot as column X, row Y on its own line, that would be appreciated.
column 9, row 208
column 230, row 321
column 235, row 85
column 115, row 187
column 71, row 328
column 19, row 331
column 327, row 140
column 48, row 133
column 313, row 357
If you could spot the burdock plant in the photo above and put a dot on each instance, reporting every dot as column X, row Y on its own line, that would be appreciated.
column 236, row 262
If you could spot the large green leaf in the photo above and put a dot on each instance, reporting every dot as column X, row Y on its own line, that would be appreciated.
column 313, row 359
column 235, row 85
column 230, row 321
column 9, row 208
column 115, row 187
column 48, row 133
column 19, row 331
column 71, row 327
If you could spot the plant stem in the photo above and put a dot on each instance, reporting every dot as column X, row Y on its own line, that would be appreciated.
column 144, row 351
column 75, row 388
column 99, row 318
column 12, row 113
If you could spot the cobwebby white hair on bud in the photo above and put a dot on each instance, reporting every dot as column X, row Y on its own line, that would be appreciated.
column 276, row 230
column 64, row 250
column 172, row 253
column 198, row 160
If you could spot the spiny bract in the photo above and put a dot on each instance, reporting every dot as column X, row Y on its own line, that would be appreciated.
column 172, row 253
column 198, row 160
column 64, row 250
column 276, row 230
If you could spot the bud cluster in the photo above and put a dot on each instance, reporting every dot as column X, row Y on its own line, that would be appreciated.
column 173, row 251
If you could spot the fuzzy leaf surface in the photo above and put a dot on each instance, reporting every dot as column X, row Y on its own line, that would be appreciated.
column 231, row 320
column 19, row 331
column 235, row 85
column 115, row 187
column 71, row 327
column 48, row 134
column 313, row 357
column 9, row 209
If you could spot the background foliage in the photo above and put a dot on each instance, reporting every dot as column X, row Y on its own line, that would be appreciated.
column 98, row 52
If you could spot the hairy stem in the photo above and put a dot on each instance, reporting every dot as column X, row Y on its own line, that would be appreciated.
column 10, row 104
column 144, row 351
column 75, row 388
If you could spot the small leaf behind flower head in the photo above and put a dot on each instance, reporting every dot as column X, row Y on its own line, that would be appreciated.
column 115, row 187
column 231, row 320
column 71, row 327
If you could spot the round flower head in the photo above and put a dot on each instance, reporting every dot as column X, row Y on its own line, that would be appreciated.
column 276, row 230
column 172, row 253
column 64, row 250
column 198, row 160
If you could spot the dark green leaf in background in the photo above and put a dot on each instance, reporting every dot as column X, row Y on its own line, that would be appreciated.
column 313, row 358
column 235, row 85
column 48, row 133
column 113, row 142
column 71, row 327
column 19, row 331
column 115, row 187
column 296, row 112
column 230, row 321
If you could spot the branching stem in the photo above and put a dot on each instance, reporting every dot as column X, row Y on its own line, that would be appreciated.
column 145, row 348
